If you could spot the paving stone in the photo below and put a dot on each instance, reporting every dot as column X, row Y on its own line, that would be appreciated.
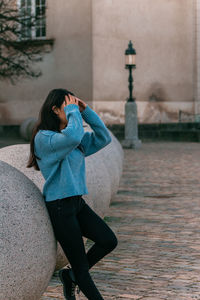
column 155, row 215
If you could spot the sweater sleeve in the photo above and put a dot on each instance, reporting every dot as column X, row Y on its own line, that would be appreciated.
column 99, row 138
column 70, row 137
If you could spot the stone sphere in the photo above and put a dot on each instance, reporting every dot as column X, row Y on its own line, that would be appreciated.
column 113, row 157
column 17, row 156
column 26, row 128
column 98, row 183
column 27, row 243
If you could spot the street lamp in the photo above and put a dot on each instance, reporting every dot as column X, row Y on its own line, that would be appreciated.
column 130, row 58
column 131, row 124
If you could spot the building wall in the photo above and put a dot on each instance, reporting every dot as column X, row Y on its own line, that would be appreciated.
column 68, row 65
column 88, row 59
column 197, row 56
column 162, row 32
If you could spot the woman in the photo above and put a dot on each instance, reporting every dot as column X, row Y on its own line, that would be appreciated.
column 58, row 149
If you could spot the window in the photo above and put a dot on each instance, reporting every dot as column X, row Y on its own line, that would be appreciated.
column 35, row 8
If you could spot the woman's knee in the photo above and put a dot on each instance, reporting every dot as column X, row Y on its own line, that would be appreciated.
column 112, row 242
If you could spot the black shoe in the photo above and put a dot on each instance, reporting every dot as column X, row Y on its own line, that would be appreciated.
column 68, row 281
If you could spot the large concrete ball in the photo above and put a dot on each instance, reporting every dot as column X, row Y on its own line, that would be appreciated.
column 99, row 185
column 113, row 158
column 119, row 152
column 28, row 246
column 17, row 156
column 26, row 128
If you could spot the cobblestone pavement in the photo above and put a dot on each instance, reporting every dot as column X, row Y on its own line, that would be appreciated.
column 156, row 217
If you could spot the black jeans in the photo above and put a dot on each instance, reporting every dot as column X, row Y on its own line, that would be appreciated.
column 71, row 219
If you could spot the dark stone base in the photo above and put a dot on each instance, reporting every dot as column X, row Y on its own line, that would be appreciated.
column 178, row 132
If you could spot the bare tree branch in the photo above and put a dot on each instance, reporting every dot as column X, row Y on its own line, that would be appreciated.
column 17, row 51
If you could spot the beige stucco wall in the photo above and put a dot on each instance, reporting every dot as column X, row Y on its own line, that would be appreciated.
column 197, row 54
column 68, row 65
column 163, row 36
column 88, row 59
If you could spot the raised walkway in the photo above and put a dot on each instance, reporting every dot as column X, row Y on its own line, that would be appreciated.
column 156, row 217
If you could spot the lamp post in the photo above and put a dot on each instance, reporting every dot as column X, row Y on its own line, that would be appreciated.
column 131, row 124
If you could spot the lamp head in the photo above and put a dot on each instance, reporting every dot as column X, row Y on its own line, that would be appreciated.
column 130, row 55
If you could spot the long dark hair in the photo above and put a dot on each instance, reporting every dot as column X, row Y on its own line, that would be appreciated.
column 47, row 120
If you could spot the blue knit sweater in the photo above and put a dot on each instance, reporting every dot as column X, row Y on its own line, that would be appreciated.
column 63, row 154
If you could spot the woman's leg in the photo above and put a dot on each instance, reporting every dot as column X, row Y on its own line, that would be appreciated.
column 95, row 228
column 67, row 232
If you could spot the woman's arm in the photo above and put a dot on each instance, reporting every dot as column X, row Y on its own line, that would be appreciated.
column 70, row 137
column 99, row 138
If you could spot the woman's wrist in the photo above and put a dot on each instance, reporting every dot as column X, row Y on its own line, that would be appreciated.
column 82, row 110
